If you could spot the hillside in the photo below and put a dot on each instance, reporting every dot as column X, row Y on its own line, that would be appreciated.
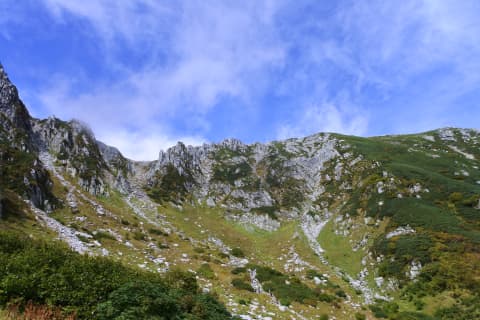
column 322, row 227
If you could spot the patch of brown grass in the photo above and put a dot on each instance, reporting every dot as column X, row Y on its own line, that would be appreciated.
column 33, row 311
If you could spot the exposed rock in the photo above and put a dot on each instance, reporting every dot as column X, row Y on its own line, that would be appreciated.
column 75, row 147
column 255, row 283
column 400, row 231
column 463, row 153
column 312, row 226
column 261, row 221
column 415, row 270
column 64, row 233
column 245, row 177
column 16, row 131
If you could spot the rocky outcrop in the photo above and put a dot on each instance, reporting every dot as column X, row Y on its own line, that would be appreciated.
column 20, row 169
column 14, row 118
column 120, row 167
column 280, row 178
column 76, row 149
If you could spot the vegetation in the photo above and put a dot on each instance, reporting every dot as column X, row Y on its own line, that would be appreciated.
column 170, row 186
column 286, row 289
column 242, row 285
column 206, row 271
column 37, row 273
column 231, row 173
column 268, row 210
column 16, row 165
column 443, row 213
column 237, row 252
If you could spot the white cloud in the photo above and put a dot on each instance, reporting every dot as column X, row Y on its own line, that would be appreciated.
column 144, row 145
column 196, row 55
column 398, row 42
column 325, row 117
column 213, row 50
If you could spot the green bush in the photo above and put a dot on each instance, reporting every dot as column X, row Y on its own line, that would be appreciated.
column 238, row 270
column 230, row 173
column 157, row 232
column 288, row 288
column 360, row 316
column 169, row 186
column 242, row 285
column 237, row 252
column 95, row 287
column 102, row 235
column 139, row 236
column 139, row 300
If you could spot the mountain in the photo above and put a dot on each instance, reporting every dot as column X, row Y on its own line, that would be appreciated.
column 325, row 226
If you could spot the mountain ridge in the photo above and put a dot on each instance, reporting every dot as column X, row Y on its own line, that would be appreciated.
column 325, row 222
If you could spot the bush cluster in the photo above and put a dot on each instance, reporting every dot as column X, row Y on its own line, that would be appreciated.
column 94, row 287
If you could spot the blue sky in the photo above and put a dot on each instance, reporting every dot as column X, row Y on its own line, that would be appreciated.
column 144, row 74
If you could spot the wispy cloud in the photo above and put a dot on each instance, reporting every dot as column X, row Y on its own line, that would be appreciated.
column 177, row 70
column 214, row 51
column 325, row 117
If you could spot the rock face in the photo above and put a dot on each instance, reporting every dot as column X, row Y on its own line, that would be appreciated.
column 275, row 179
column 76, row 148
column 14, row 117
column 72, row 144
column 120, row 167
column 20, row 168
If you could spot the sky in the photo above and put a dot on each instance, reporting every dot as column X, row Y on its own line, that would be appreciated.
column 144, row 74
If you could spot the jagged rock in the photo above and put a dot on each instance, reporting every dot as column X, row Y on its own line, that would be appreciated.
column 18, row 149
column 280, row 175
column 13, row 108
column 76, row 148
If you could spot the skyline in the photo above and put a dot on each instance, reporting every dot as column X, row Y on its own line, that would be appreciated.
column 144, row 74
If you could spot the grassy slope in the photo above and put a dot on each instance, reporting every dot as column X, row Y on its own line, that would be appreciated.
column 259, row 246
column 445, row 213
column 408, row 158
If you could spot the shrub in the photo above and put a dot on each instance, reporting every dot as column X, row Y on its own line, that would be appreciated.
column 360, row 316
column 340, row 293
column 206, row 271
column 238, row 270
column 157, row 232
column 94, row 287
column 139, row 236
column 242, row 302
column 237, row 252
column 288, row 288
column 285, row 301
column 138, row 300
column 102, row 235
column 242, row 285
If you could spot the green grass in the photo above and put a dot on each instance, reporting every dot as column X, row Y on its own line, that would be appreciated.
column 338, row 250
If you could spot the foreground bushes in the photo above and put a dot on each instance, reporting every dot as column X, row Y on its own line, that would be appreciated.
column 96, row 288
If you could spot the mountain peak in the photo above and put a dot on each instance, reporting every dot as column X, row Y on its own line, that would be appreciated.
column 8, row 92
